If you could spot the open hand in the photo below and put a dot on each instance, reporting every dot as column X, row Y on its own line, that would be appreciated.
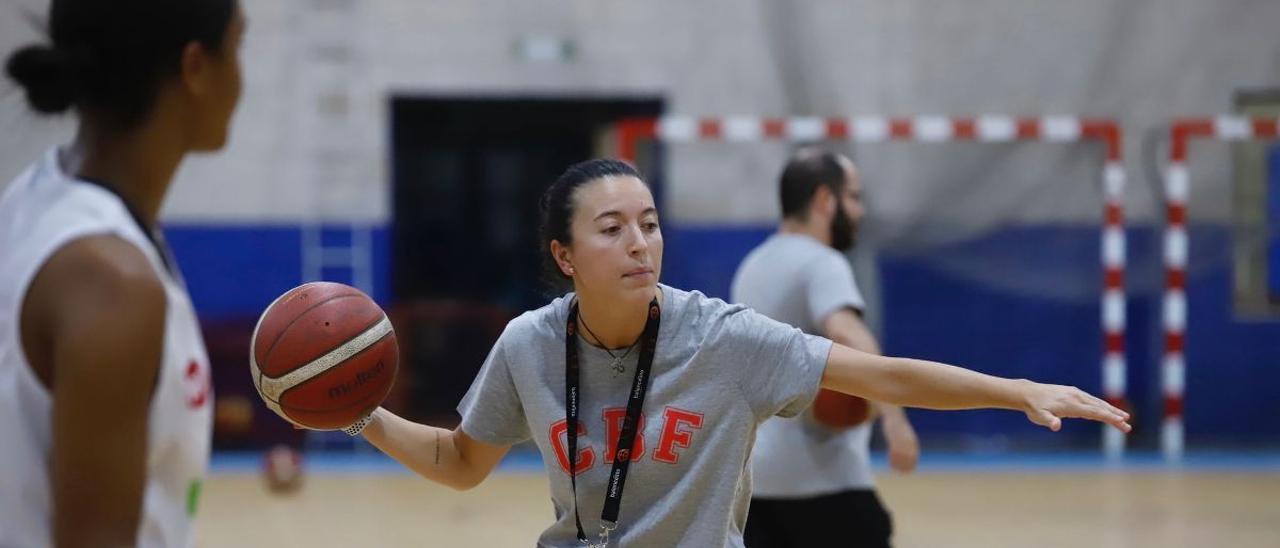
column 1048, row 404
column 904, row 446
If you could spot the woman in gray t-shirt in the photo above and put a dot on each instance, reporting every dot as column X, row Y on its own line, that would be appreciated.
column 685, row 378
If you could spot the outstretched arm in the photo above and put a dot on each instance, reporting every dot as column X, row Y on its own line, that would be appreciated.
column 919, row 383
column 449, row 457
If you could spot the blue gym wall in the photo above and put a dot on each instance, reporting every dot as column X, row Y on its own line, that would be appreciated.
column 1233, row 366
column 237, row 270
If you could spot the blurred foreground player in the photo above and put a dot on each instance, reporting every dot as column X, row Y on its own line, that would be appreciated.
column 104, row 383
column 813, row 481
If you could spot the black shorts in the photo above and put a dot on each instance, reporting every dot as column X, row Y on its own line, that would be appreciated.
column 848, row 518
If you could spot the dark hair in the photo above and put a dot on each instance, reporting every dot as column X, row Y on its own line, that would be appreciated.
column 109, row 57
column 556, row 207
column 807, row 170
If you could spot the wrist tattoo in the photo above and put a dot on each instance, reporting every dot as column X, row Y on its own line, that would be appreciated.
column 437, row 447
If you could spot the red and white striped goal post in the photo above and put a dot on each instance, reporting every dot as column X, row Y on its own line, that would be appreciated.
column 944, row 129
column 1177, row 186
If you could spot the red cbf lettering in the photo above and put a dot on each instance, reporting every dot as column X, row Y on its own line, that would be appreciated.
column 613, row 419
column 673, row 434
column 560, row 441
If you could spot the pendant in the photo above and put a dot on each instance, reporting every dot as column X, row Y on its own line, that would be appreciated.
column 617, row 366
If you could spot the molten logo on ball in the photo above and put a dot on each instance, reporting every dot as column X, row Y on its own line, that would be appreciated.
column 361, row 378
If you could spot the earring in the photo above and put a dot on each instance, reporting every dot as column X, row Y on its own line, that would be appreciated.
column 571, row 272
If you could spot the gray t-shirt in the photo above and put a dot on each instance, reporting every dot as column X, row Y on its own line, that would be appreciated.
column 797, row 280
column 718, row 371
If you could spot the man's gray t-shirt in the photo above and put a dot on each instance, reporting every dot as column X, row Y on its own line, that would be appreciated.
column 797, row 280
column 718, row 371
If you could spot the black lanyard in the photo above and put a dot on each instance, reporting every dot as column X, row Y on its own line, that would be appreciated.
column 622, row 453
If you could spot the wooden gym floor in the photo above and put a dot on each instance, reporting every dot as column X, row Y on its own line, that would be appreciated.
column 1045, row 506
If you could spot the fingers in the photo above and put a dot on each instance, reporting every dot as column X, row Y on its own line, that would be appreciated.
column 1089, row 407
column 1058, row 402
column 900, row 466
column 903, row 462
column 1102, row 411
column 1044, row 418
column 1102, row 414
column 904, row 448
column 1099, row 402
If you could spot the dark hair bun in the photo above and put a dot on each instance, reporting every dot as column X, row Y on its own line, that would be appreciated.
column 47, row 76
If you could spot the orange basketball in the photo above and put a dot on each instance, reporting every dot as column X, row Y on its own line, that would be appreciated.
column 839, row 410
column 323, row 355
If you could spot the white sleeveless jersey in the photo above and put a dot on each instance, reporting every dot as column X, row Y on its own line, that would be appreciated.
column 41, row 211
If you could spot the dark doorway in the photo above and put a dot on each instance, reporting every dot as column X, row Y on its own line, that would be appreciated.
column 468, row 174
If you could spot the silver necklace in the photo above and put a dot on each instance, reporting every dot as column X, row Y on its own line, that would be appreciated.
column 617, row 366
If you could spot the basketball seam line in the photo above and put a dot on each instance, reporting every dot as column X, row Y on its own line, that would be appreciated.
column 253, row 354
column 263, row 376
column 266, row 356
column 273, row 387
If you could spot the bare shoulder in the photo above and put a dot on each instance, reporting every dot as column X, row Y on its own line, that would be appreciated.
column 97, row 292
column 100, row 270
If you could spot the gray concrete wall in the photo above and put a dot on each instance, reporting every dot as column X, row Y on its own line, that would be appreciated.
column 1141, row 61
